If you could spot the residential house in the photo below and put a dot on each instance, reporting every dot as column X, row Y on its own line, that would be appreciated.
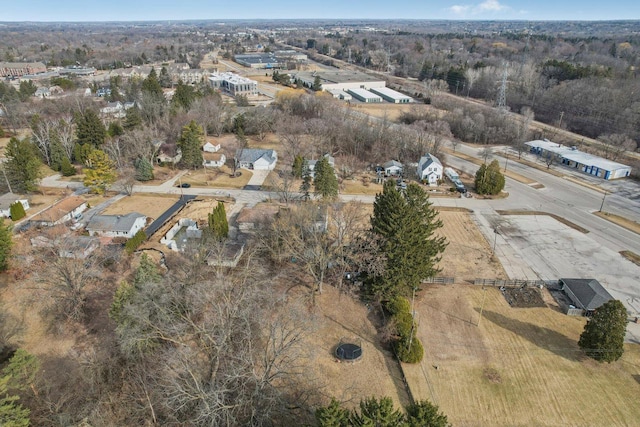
column 6, row 200
column 587, row 294
column 116, row 225
column 257, row 159
column 114, row 108
column 42, row 92
column 213, row 160
column 429, row 169
column 169, row 153
column 66, row 210
column 311, row 164
column 209, row 147
column 393, row 168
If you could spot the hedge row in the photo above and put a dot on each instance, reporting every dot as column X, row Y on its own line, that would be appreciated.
column 408, row 347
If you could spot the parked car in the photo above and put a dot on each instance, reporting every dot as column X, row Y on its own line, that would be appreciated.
column 184, row 185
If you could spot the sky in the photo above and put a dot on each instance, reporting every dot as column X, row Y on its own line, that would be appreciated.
column 151, row 10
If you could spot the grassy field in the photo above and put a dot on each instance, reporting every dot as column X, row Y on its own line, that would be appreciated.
column 217, row 178
column 519, row 367
column 151, row 205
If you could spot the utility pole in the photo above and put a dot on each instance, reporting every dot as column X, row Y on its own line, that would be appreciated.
column 506, row 155
column 560, row 122
column 495, row 240
column 603, row 197
column 4, row 172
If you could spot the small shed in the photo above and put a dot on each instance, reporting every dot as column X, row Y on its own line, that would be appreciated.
column 587, row 294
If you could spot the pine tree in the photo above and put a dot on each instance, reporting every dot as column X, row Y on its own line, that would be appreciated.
column 99, row 172
column 305, row 187
column 66, row 167
column 165, row 78
column 425, row 414
column 317, row 84
column 132, row 118
column 325, row 181
column 5, row 245
column 144, row 169
column 16, row 210
column 190, row 142
column 218, row 223
column 489, row 179
column 151, row 85
column 89, row 129
column 22, row 165
column 603, row 335
column 147, row 272
column 406, row 223
column 379, row 413
column 298, row 166
column 333, row 415
column 183, row 96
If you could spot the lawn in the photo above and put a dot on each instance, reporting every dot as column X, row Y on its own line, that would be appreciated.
column 521, row 366
column 217, row 178
column 151, row 205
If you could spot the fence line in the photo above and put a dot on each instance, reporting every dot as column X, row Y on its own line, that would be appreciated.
column 509, row 282
column 440, row 280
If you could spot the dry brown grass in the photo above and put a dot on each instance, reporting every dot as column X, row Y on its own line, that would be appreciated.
column 620, row 220
column 151, row 205
column 392, row 111
column 543, row 378
column 357, row 186
column 631, row 256
column 508, row 173
column 217, row 178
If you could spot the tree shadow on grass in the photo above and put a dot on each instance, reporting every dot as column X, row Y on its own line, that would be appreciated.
column 545, row 338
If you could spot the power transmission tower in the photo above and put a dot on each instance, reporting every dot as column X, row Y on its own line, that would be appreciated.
column 501, row 102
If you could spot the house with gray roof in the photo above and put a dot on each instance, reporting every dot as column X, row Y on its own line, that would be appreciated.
column 311, row 164
column 255, row 158
column 393, row 168
column 587, row 294
column 116, row 225
column 429, row 169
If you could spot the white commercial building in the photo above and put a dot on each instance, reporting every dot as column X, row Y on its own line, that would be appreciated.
column 585, row 162
column 338, row 80
column 365, row 96
column 391, row 95
column 233, row 84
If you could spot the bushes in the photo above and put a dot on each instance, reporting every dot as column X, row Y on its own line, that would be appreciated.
column 133, row 243
column 407, row 346
column 17, row 211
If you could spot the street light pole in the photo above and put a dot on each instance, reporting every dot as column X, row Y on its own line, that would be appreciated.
column 603, row 197
column 495, row 240
column 506, row 155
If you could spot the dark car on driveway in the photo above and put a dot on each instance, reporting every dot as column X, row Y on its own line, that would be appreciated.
column 184, row 185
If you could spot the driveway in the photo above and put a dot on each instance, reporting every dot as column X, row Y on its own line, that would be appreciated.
column 257, row 179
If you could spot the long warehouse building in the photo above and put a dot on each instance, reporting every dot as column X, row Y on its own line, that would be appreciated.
column 391, row 95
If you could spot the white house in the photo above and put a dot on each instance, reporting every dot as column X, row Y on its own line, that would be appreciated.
column 42, row 92
column 257, row 159
column 429, row 169
column 311, row 164
column 114, row 108
column 211, row 148
column 6, row 200
column 168, row 153
column 64, row 211
column 116, row 225
column 393, row 168
column 213, row 160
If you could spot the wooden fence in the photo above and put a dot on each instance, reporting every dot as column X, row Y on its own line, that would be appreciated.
column 440, row 280
column 510, row 283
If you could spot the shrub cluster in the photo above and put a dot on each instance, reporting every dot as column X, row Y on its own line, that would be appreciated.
column 407, row 347
column 133, row 243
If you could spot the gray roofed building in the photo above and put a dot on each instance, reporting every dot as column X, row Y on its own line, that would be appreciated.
column 587, row 294
column 116, row 225
column 255, row 158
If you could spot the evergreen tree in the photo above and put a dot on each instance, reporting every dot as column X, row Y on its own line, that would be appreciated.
column 379, row 413
column 325, row 181
column 406, row 223
column 16, row 210
column 425, row 414
column 147, row 272
column 5, row 245
column 165, row 78
column 333, row 415
column 190, row 142
column 115, row 129
column 132, row 118
column 489, row 179
column 27, row 89
column 151, row 85
column 66, row 167
column 298, row 166
column 305, row 187
column 317, row 84
column 99, row 172
column 184, row 96
column 22, row 165
column 218, row 223
column 144, row 169
column 89, row 129
column 603, row 335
